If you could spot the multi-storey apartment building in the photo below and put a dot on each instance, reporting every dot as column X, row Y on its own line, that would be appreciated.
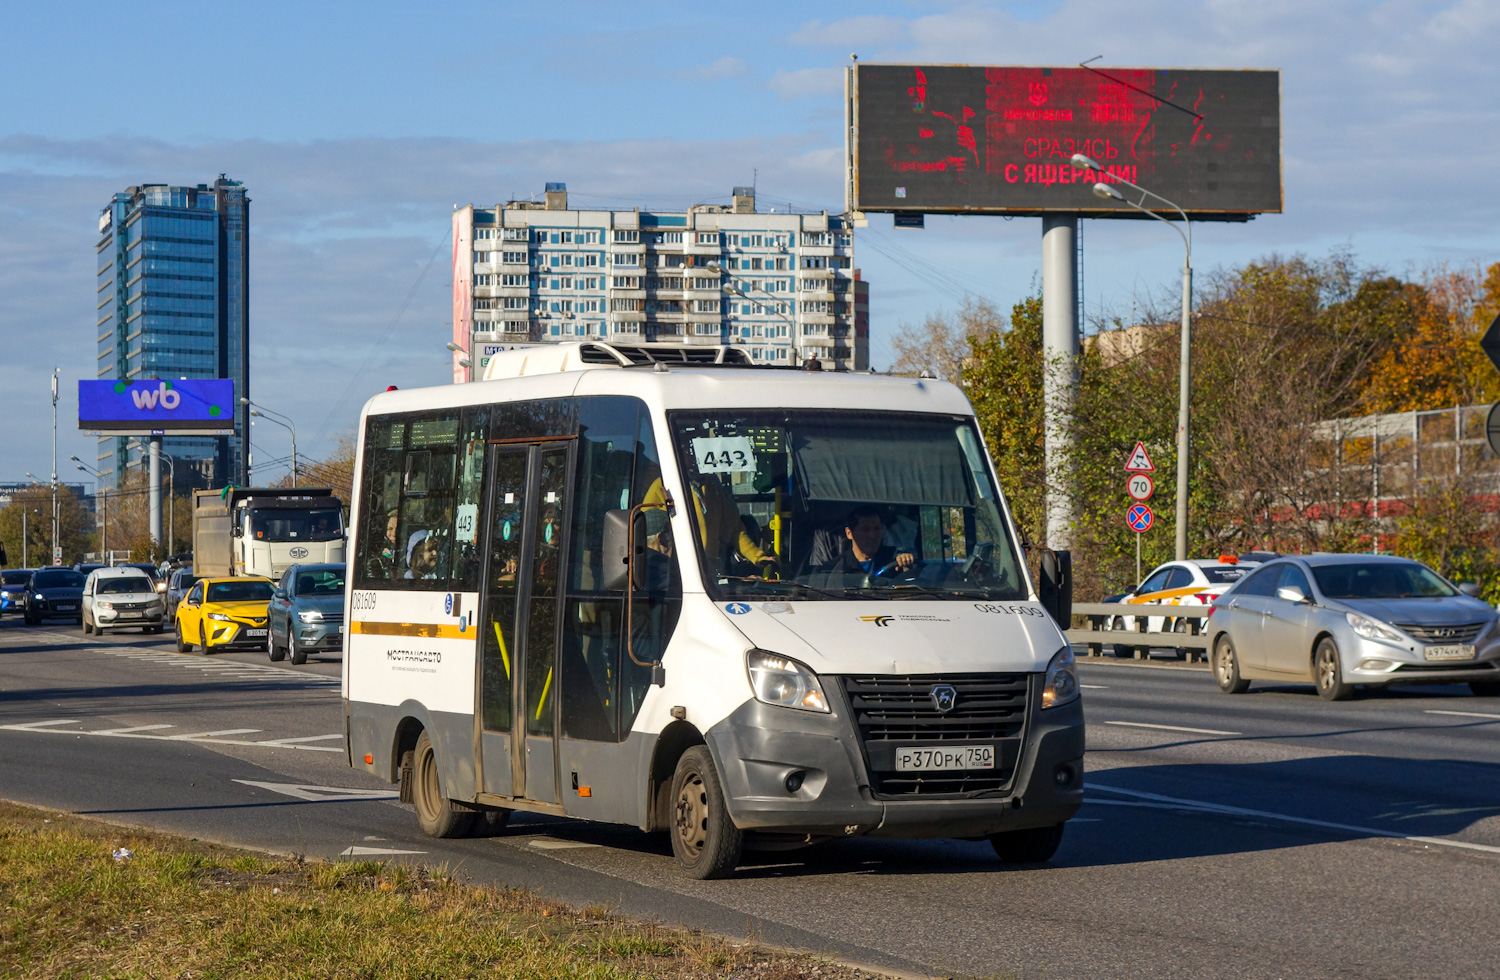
column 173, row 302
column 782, row 286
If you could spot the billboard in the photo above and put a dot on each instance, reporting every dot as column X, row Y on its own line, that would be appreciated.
column 188, row 406
column 961, row 139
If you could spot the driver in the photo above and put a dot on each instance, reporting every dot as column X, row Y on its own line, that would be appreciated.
column 863, row 548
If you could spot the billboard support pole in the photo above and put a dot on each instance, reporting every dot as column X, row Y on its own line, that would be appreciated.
column 1059, row 367
column 155, row 497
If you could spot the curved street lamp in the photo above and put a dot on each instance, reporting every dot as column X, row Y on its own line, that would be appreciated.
column 1109, row 192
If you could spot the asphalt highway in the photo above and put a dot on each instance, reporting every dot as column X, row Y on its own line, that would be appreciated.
column 1269, row 834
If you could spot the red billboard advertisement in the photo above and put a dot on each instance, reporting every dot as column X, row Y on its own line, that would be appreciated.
column 967, row 139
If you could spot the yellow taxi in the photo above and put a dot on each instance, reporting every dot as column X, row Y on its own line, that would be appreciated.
column 224, row 614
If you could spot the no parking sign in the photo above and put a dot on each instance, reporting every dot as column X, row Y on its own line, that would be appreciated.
column 1140, row 518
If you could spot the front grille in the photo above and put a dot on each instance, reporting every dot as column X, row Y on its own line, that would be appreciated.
column 1461, row 633
column 1442, row 668
column 895, row 710
column 333, row 617
column 901, row 709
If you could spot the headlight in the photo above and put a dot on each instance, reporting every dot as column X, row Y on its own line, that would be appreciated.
column 39, row 597
column 1062, row 679
column 1372, row 630
column 779, row 680
column 220, row 617
column 311, row 616
column 105, row 605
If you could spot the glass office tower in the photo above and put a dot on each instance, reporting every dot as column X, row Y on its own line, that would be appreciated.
column 173, row 294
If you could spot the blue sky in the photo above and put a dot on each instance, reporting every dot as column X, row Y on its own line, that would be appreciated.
column 356, row 128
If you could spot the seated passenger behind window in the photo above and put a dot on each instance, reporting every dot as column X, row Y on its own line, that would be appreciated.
column 718, row 523
column 421, row 555
column 863, row 550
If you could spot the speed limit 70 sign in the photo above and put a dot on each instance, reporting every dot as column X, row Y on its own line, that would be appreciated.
column 1139, row 486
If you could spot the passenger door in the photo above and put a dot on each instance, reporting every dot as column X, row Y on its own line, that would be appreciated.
column 1285, row 634
column 1248, row 606
column 518, row 659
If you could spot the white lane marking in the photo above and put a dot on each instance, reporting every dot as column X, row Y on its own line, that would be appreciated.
column 550, row 844
column 350, row 852
column 224, row 731
column 1462, row 714
column 304, row 738
column 1094, row 687
column 37, row 726
column 1221, row 808
column 127, row 731
column 106, row 733
column 1170, row 728
column 322, row 794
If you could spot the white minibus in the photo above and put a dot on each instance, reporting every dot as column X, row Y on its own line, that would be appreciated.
column 746, row 606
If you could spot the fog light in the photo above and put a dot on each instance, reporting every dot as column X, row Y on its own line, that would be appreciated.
column 1063, row 775
column 1375, row 663
column 794, row 780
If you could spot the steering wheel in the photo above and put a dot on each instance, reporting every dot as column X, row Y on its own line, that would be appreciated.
column 911, row 570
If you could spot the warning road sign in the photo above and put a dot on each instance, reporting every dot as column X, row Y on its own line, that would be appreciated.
column 1140, row 518
column 1139, row 486
column 1138, row 461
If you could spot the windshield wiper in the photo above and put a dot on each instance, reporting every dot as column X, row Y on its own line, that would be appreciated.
column 784, row 583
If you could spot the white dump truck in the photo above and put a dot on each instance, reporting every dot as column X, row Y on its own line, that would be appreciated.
column 265, row 530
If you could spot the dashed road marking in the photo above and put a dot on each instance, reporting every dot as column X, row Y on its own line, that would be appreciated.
column 1170, row 728
column 1462, row 714
column 374, row 852
column 203, row 738
column 322, row 794
column 553, row 844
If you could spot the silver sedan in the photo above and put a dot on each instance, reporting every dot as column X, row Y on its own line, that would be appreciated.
column 1345, row 620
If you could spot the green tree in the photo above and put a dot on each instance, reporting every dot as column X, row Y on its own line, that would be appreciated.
column 31, row 508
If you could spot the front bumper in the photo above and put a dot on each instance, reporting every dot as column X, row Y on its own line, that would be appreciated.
column 758, row 746
column 129, row 617
column 313, row 637
column 235, row 635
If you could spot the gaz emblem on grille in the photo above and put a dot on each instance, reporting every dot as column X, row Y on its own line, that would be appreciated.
column 298, row 552
column 944, row 697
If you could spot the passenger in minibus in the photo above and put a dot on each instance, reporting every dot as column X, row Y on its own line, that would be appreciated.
column 864, row 550
column 718, row 523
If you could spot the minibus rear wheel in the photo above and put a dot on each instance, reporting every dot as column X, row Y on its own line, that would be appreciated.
column 1031, row 846
column 437, row 815
column 705, row 841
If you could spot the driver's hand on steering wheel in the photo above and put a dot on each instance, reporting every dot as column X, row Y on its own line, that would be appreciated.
column 904, row 561
column 770, row 569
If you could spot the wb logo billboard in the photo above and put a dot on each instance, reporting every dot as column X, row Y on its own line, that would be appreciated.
column 186, row 405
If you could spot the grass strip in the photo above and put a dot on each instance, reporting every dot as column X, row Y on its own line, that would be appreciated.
column 179, row 908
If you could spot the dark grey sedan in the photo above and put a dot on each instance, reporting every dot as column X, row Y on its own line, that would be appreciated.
column 1344, row 620
column 306, row 613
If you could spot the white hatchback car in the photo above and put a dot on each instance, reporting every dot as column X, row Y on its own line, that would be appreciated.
column 1195, row 582
column 114, row 598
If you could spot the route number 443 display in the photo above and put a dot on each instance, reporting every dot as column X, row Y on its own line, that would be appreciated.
column 724, row 454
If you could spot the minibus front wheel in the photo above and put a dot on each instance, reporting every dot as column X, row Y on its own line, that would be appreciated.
column 705, row 840
column 437, row 815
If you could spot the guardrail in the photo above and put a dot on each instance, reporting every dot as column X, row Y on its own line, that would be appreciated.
column 1189, row 642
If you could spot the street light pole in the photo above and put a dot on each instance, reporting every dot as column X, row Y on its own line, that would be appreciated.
column 55, row 554
column 261, row 412
column 1081, row 162
column 103, row 513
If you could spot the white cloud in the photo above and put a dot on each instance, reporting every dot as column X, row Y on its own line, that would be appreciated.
column 853, row 33
column 807, row 83
column 726, row 67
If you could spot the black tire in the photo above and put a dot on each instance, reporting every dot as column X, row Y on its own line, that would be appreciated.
column 705, row 841
column 202, row 639
column 299, row 655
column 99, row 631
column 1485, row 689
column 437, row 815
column 1118, row 624
column 88, row 627
column 1227, row 667
column 1328, row 672
column 182, row 645
column 157, row 630
column 488, row 823
column 274, row 652
column 1035, row 845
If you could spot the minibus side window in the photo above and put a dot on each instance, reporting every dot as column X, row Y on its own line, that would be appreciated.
column 618, row 465
column 375, row 560
column 468, row 498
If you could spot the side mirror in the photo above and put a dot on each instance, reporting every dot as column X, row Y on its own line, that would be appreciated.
column 1291, row 594
column 1470, row 589
column 1056, row 590
column 194, row 601
column 278, row 594
column 238, row 532
column 624, row 540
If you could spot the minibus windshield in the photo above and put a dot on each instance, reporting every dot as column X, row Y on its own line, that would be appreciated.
column 832, row 504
